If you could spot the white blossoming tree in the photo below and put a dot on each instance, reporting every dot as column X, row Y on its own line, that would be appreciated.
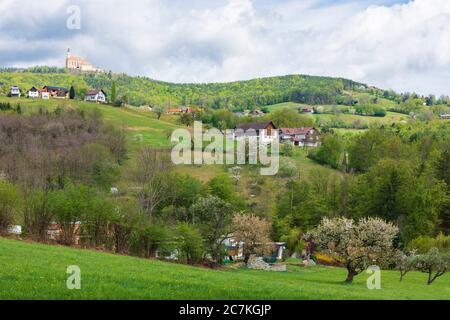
column 361, row 244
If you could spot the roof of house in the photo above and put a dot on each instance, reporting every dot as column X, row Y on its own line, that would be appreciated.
column 296, row 131
column 33, row 89
column 94, row 92
column 56, row 88
column 255, row 125
column 14, row 87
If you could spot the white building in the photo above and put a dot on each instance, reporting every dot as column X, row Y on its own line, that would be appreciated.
column 96, row 96
column 15, row 92
column 302, row 137
column 45, row 95
column 266, row 132
column 33, row 93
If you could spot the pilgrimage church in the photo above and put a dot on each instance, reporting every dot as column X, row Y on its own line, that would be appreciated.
column 78, row 63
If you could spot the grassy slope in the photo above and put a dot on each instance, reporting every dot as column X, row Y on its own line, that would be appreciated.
column 391, row 117
column 135, row 121
column 34, row 271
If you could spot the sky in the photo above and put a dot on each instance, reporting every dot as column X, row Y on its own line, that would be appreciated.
column 400, row 45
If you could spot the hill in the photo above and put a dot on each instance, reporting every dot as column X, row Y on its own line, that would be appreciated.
column 236, row 95
column 35, row 271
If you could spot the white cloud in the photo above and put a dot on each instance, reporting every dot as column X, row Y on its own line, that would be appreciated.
column 405, row 47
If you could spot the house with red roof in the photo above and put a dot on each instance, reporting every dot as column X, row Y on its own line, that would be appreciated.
column 301, row 137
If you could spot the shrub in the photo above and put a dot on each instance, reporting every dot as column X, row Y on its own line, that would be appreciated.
column 189, row 244
column 423, row 244
column 9, row 201
column 287, row 149
column 37, row 215
column 329, row 260
column 127, row 217
column 69, row 207
column 97, row 224
column 287, row 169
column 150, row 241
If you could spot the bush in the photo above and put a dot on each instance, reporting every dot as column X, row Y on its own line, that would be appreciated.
column 287, row 169
column 329, row 260
column 150, row 241
column 127, row 217
column 189, row 244
column 69, row 207
column 9, row 201
column 97, row 224
column 423, row 244
column 287, row 149
column 37, row 215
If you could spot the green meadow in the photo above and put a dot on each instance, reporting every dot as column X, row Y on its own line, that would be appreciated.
column 35, row 271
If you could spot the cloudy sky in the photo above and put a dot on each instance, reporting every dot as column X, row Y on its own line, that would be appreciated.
column 403, row 45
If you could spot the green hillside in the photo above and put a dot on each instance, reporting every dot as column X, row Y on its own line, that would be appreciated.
column 34, row 271
column 141, row 125
column 237, row 95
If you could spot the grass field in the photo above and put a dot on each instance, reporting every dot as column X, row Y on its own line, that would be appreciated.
column 391, row 117
column 35, row 271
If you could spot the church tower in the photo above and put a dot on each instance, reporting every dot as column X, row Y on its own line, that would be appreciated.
column 69, row 55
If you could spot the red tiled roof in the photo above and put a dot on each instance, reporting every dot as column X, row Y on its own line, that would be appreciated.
column 296, row 131
column 93, row 92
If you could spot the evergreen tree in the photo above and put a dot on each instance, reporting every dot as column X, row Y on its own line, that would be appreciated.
column 72, row 93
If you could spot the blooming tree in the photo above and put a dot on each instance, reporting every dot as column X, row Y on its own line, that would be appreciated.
column 254, row 232
column 366, row 242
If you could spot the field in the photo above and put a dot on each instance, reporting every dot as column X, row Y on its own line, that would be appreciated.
column 348, row 119
column 35, row 271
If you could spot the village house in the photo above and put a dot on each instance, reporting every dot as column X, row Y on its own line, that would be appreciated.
column 96, row 95
column 266, row 132
column 33, row 93
column 235, row 249
column 180, row 110
column 56, row 92
column 445, row 117
column 307, row 110
column 15, row 92
column 302, row 137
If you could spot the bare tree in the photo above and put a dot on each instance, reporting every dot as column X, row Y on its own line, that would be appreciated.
column 152, row 166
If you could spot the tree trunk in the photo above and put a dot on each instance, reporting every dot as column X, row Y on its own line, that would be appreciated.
column 430, row 280
column 246, row 258
column 350, row 275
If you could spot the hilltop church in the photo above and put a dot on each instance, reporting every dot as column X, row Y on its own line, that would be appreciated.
column 78, row 63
